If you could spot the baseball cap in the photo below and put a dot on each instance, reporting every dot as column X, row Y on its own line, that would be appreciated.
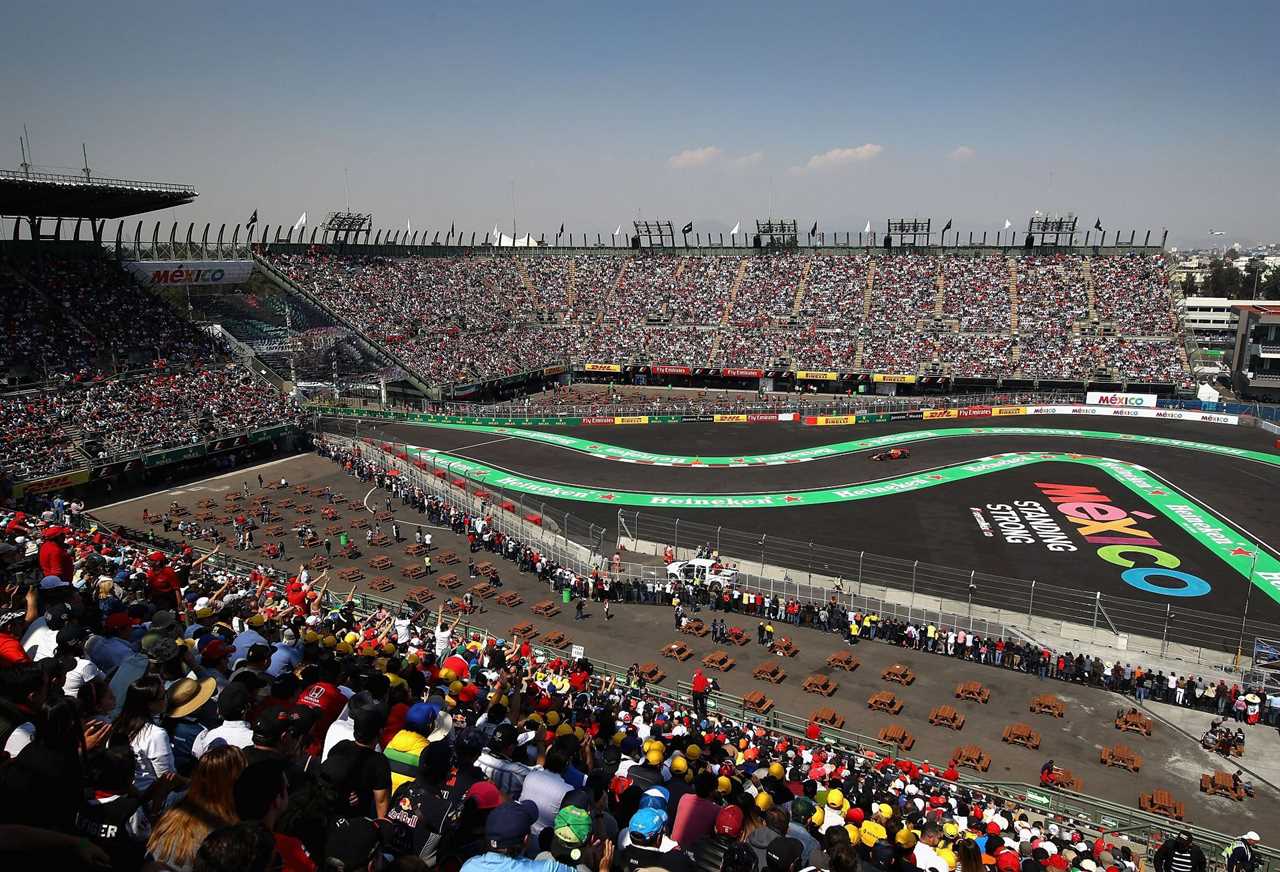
column 1251, row 836
column 729, row 822
column 49, row 582
column 233, row 700
column 420, row 717
column 351, row 842
column 572, row 825
column 70, row 633
column 655, row 797
column 485, row 795
column 118, row 621
column 509, row 824
column 740, row 857
column 648, row 822
column 783, row 854
column 436, row 758
column 214, row 650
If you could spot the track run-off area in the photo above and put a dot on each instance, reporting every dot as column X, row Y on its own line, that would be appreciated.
column 1118, row 532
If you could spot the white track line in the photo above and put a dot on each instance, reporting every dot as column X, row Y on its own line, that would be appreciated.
column 374, row 511
column 239, row 472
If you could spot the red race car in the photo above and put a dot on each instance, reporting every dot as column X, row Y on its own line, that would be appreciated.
column 892, row 454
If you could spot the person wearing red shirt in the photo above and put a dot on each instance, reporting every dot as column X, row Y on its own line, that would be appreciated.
column 325, row 698
column 700, row 689
column 11, row 627
column 54, row 557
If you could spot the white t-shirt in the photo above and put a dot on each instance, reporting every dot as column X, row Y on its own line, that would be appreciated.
column 40, row 641
column 442, row 640
column 20, row 738
column 236, row 733
column 402, row 631
column 84, row 672
column 155, row 756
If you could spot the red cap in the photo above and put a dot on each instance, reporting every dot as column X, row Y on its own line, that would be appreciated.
column 155, row 557
column 729, row 822
column 485, row 795
column 118, row 621
column 993, row 829
column 214, row 651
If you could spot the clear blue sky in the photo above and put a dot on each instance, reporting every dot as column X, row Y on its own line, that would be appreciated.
column 832, row 112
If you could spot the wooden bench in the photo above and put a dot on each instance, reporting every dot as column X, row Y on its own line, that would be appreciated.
column 695, row 627
column 819, row 684
column 757, row 703
column 415, row 550
column 351, row 552
column 414, row 571
column 884, row 701
column 447, row 558
column 900, row 674
column 304, row 509
column 1048, row 704
column 1122, row 757
column 319, row 562
column 206, row 503
column 510, row 599
column 677, row 651
column 484, row 569
column 1021, row 734
column 334, row 530
column 380, row 540
column 784, row 647
column 1067, row 780
column 556, row 639
column 329, row 513
column 769, row 671
column 971, row 756
column 448, row 581
column 482, row 590
column 843, row 660
column 358, row 523
column 275, row 531
column 973, row 691
column 546, row 609
column 380, row 584
column 828, row 717
column 285, row 504
column 946, row 716
column 651, row 673
column 419, row 596
column 456, row 605
column 351, row 574
column 524, row 629
column 718, row 660
column 382, row 561
column 1161, row 802
column 384, row 516
column 1221, row 783
column 300, row 489
column 1133, row 722
column 339, row 499
column 896, row 735
column 737, row 636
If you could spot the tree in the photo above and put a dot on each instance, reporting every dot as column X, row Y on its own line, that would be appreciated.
column 1189, row 284
column 1251, row 281
column 1269, row 289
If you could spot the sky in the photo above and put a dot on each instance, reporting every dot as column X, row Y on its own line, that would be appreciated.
column 591, row 115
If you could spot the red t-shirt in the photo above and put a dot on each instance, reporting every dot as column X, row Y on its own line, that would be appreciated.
column 163, row 581
column 11, row 653
column 295, row 593
column 56, row 560
column 330, row 702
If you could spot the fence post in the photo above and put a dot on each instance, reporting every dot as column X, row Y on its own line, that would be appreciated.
column 1097, row 601
column 763, row 538
column 810, row 568
column 676, row 544
column 1031, row 601
column 912, row 604
column 718, row 538
column 861, row 554
column 1164, row 634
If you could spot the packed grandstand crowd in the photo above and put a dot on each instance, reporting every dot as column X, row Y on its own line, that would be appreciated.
column 459, row 319
column 174, row 711
column 100, row 368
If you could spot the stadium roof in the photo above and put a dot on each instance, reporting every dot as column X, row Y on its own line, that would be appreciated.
column 50, row 195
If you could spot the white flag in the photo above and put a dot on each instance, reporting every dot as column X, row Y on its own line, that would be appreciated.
column 867, row 229
column 734, row 231
column 618, row 231
column 408, row 228
column 495, row 231
column 301, row 222
column 1007, row 224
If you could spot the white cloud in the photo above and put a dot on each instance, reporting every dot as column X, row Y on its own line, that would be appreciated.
column 961, row 152
column 693, row 157
column 747, row 160
column 838, row 157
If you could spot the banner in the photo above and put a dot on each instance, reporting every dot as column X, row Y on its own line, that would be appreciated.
column 160, row 458
column 729, row 419
column 935, row 414
column 742, row 373
column 812, row 375
column 1102, row 398
column 998, row 411
column 598, row 419
column 874, row 418
column 829, row 420
column 631, row 419
column 891, row 378
column 558, row 369
column 51, row 484
column 761, row 418
column 974, row 411
column 669, row 370
column 166, row 273
column 602, row 367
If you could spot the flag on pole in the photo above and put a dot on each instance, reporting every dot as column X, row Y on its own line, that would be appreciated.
column 495, row 231
column 734, row 231
column 1007, row 224
column 253, row 219
column 618, row 231
column 408, row 228
column 813, row 231
column 947, row 227
column 561, row 228
column 301, row 222
column 1097, row 225
column 688, row 228
column 1213, row 232
column 867, row 229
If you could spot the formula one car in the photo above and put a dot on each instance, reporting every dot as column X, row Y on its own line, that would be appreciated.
column 892, row 454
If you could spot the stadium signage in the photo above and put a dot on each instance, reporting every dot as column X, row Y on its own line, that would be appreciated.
column 974, row 411
column 631, row 419
column 598, row 419
column 1100, row 398
column 1122, row 541
column 936, row 414
column 742, row 373
column 893, row 378
column 166, row 273
column 729, row 419
column 814, row 375
column 669, row 370
column 602, row 367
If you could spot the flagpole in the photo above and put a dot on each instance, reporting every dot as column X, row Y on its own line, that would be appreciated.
column 1244, row 618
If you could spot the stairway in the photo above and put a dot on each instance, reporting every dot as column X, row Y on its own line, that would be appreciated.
column 715, row 347
column 571, row 292
column 866, row 299
column 801, row 288
column 534, row 298
column 1088, row 289
column 607, row 303
column 940, row 296
column 857, row 358
column 1013, row 297
column 733, row 293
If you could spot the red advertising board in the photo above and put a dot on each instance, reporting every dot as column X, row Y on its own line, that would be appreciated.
column 669, row 370
column 975, row 412
column 762, row 418
column 598, row 419
column 742, row 373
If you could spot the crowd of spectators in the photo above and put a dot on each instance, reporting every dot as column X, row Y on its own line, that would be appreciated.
column 482, row 316
column 175, row 712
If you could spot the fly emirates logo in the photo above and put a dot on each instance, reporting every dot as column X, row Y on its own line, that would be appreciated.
column 1122, row 541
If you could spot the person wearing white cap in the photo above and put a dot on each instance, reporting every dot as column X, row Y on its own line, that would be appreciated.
column 1240, row 857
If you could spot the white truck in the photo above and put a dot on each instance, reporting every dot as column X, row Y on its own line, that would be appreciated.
column 700, row 570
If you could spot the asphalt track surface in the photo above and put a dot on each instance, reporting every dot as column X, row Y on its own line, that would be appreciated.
column 937, row 526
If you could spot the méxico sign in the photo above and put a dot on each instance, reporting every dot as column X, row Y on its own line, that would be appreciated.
column 167, row 273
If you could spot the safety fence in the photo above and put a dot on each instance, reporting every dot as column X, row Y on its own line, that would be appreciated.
column 1089, row 814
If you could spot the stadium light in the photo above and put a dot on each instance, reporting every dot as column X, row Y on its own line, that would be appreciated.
column 909, row 232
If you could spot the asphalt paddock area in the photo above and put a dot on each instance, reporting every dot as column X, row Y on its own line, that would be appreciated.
column 961, row 525
column 636, row 634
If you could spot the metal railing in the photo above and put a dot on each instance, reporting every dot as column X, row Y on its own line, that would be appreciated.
column 67, row 179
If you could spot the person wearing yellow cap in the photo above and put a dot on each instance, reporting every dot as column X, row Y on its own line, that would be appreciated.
column 833, row 810
column 764, row 801
column 693, row 752
column 776, row 770
column 873, row 830
column 724, row 785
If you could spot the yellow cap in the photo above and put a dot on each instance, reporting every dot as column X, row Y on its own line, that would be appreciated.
column 764, row 801
column 412, row 660
column 351, row 638
column 447, row 674
column 388, row 648
column 776, row 770
column 693, row 752
column 565, row 730
column 653, row 758
column 553, row 718
column 852, row 830
column 617, row 739
column 818, row 817
column 948, row 856
column 835, row 799
column 679, row 765
column 906, row 838
column 395, row 680
column 330, row 641
column 310, row 637
column 580, row 733
column 342, row 648
column 884, row 810
column 950, row 829
column 454, row 687
column 724, row 785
